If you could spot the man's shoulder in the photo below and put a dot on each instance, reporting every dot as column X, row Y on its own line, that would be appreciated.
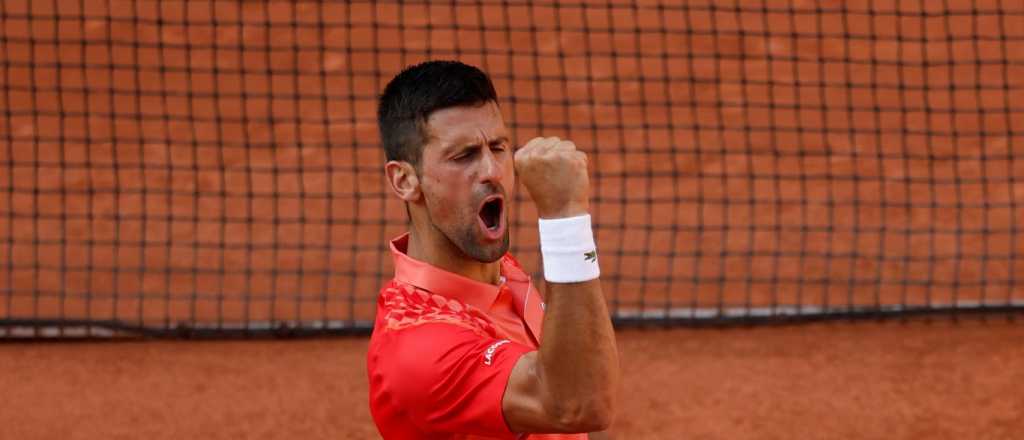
column 404, row 306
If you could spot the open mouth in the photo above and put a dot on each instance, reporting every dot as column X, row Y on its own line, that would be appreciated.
column 490, row 213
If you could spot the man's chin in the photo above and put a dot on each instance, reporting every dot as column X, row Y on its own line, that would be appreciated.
column 488, row 252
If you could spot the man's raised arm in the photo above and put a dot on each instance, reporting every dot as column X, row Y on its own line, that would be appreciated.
column 570, row 384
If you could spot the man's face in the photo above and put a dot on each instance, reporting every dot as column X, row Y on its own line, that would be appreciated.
column 467, row 177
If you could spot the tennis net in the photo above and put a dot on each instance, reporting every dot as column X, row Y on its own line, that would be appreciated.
column 212, row 167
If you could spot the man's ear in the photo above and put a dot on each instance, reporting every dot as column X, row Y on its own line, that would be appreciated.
column 403, row 180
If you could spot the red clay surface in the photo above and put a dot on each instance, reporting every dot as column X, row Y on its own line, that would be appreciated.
column 845, row 380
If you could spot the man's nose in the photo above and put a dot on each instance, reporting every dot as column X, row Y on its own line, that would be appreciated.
column 490, row 167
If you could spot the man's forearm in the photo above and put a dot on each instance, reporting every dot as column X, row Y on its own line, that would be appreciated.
column 578, row 357
column 577, row 368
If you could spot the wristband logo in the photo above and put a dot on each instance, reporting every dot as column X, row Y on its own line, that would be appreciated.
column 591, row 256
column 489, row 354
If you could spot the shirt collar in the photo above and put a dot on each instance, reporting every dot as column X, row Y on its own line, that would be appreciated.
column 424, row 276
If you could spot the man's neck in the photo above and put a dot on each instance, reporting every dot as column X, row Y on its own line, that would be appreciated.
column 434, row 248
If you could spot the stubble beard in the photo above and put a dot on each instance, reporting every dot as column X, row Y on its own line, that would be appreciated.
column 465, row 239
column 464, row 236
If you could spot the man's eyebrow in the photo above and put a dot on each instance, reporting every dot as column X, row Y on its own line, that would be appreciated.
column 459, row 144
column 452, row 146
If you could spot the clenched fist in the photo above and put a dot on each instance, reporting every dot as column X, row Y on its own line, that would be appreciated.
column 554, row 172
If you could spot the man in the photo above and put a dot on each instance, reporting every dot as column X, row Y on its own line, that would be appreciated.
column 458, row 349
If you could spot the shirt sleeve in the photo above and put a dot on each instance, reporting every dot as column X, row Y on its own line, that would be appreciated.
column 446, row 378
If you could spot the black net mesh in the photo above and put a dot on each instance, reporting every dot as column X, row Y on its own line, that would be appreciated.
column 213, row 167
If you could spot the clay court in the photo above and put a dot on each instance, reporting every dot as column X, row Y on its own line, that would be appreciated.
column 823, row 198
column 865, row 380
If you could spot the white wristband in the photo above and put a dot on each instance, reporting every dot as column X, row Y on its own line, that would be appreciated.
column 568, row 249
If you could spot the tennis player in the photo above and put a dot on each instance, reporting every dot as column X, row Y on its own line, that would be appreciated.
column 464, row 346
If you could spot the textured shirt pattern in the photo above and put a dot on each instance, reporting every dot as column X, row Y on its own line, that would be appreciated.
column 443, row 348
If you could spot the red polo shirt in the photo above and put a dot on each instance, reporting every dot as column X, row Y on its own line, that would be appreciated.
column 443, row 347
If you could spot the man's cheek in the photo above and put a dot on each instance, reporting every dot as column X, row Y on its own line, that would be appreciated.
column 444, row 209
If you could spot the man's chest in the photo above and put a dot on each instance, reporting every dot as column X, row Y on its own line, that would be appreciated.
column 509, row 321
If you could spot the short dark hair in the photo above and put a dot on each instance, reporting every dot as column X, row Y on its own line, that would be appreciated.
column 419, row 90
